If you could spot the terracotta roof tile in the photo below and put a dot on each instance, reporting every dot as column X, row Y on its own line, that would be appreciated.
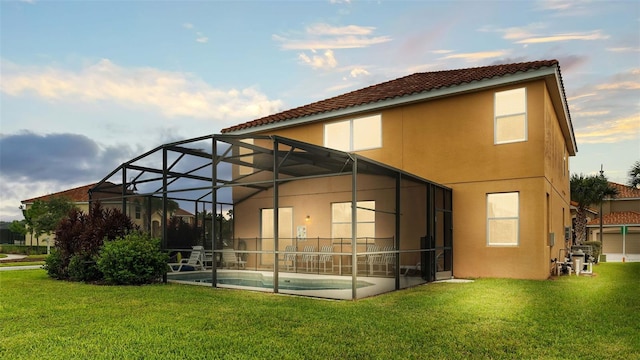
column 618, row 218
column 76, row 195
column 404, row 86
column 625, row 191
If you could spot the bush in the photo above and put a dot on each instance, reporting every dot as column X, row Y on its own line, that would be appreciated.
column 83, row 268
column 596, row 246
column 132, row 260
column 54, row 265
column 82, row 235
column 23, row 249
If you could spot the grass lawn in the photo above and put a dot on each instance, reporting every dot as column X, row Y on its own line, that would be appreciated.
column 568, row 318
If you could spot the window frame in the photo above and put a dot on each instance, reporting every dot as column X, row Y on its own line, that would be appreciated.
column 497, row 117
column 496, row 218
column 375, row 119
column 360, row 205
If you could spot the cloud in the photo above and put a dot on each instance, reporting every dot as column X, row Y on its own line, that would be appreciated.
column 339, row 1
column 58, row 157
column 441, row 52
column 584, row 36
column 611, row 131
column 623, row 49
column 324, row 36
column 173, row 94
column 326, row 29
column 324, row 61
column 476, row 56
column 621, row 85
column 355, row 72
column 201, row 38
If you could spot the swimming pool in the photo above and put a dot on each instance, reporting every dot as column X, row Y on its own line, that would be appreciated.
column 261, row 280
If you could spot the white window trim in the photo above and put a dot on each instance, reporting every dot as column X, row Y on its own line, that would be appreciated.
column 496, row 117
column 488, row 239
column 351, row 133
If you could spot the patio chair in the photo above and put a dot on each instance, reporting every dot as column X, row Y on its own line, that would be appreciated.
column 194, row 262
column 370, row 259
column 230, row 258
column 309, row 258
column 290, row 257
column 326, row 257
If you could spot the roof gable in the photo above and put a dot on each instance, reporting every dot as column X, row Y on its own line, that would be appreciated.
column 402, row 87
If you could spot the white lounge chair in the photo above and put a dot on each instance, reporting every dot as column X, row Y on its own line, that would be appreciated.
column 194, row 262
column 309, row 258
column 290, row 257
column 326, row 257
column 230, row 258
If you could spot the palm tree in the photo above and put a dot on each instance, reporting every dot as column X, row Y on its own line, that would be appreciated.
column 634, row 175
column 588, row 190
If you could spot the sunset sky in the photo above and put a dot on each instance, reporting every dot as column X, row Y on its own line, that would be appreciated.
column 85, row 86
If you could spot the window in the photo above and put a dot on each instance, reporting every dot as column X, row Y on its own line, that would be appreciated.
column 510, row 116
column 138, row 210
column 354, row 135
column 503, row 216
column 341, row 220
column 285, row 231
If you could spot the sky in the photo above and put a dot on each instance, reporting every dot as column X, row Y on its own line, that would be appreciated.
column 86, row 86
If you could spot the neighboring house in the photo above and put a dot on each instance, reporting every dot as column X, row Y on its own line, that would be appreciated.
column 620, row 225
column 499, row 137
column 80, row 197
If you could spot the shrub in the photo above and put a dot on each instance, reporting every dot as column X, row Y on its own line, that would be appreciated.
column 53, row 264
column 132, row 260
column 83, row 235
column 83, row 268
column 596, row 246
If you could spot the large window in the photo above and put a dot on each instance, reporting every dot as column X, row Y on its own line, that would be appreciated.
column 341, row 220
column 285, row 231
column 503, row 217
column 510, row 116
column 354, row 135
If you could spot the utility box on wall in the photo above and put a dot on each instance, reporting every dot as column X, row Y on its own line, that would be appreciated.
column 567, row 233
column 552, row 239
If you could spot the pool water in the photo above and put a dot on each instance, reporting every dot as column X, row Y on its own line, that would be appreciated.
column 258, row 280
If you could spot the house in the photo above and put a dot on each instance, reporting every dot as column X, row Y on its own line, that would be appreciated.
column 499, row 137
column 620, row 225
column 81, row 197
column 459, row 173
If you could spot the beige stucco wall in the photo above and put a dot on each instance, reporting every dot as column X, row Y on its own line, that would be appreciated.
column 451, row 141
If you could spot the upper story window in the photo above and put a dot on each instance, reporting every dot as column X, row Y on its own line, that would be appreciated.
column 503, row 218
column 354, row 135
column 510, row 121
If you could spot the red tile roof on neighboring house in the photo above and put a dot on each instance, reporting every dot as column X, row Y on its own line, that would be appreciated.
column 618, row 218
column 182, row 212
column 625, row 191
column 404, row 86
column 76, row 195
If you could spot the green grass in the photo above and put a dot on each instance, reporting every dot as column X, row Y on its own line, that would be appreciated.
column 568, row 318
column 3, row 256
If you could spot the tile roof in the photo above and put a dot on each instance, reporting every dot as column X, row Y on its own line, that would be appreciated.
column 404, row 86
column 76, row 195
column 618, row 218
column 625, row 191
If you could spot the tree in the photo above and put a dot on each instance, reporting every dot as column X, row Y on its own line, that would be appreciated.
column 588, row 190
column 18, row 226
column 43, row 216
column 634, row 175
